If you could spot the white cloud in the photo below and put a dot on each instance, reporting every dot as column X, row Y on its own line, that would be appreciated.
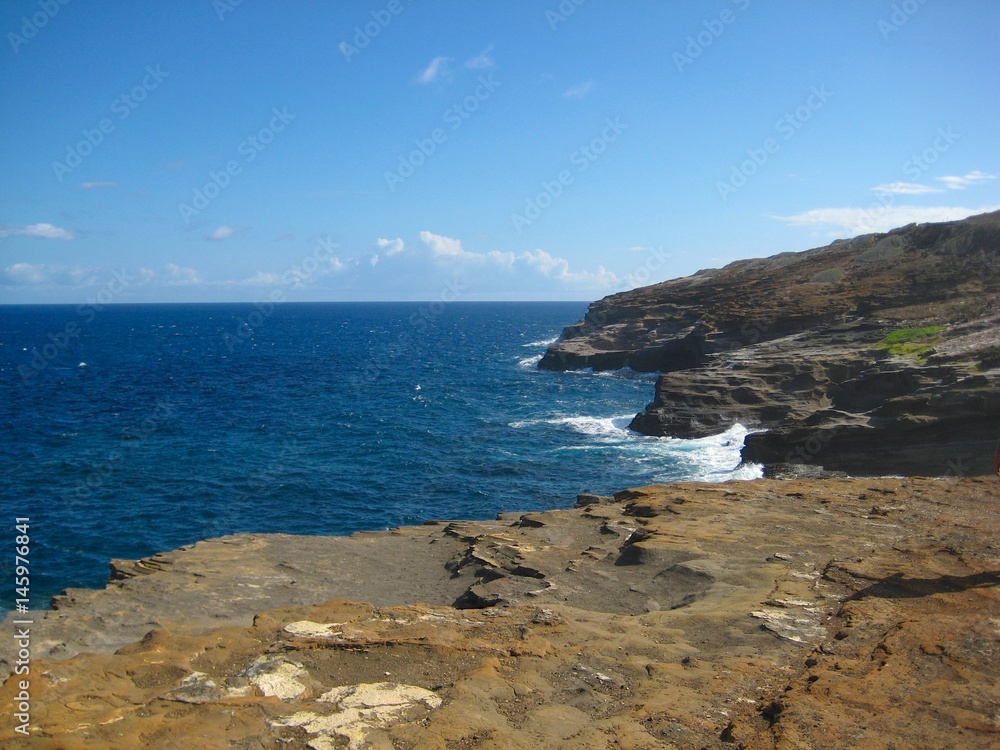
column 92, row 185
column 579, row 91
column 482, row 60
column 879, row 218
column 391, row 247
column 441, row 245
column 975, row 177
column 906, row 188
column 34, row 274
column 374, row 260
column 25, row 274
column 450, row 248
column 437, row 68
column 558, row 270
column 262, row 279
column 181, row 276
column 45, row 231
column 224, row 232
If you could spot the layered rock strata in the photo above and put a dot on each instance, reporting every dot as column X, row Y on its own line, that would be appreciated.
column 802, row 345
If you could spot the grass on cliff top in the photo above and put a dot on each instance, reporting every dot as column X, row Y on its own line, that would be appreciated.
column 911, row 342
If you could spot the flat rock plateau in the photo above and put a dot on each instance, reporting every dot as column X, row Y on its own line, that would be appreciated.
column 803, row 610
column 823, row 613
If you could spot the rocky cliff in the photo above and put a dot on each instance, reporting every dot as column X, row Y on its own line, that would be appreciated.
column 876, row 355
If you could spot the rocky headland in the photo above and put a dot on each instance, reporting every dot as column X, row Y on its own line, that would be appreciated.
column 871, row 356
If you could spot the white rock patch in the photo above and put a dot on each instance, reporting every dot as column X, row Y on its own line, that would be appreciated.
column 308, row 628
column 277, row 678
column 362, row 707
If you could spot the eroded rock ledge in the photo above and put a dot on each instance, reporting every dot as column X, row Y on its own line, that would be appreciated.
column 795, row 345
column 766, row 614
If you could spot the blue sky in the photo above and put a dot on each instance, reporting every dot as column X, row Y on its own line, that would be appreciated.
column 529, row 149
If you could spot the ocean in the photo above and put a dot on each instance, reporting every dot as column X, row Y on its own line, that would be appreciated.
column 133, row 429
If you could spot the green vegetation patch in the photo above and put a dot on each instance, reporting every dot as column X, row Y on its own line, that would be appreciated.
column 912, row 342
column 829, row 276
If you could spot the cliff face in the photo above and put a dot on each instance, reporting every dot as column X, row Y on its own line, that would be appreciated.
column 875, row 355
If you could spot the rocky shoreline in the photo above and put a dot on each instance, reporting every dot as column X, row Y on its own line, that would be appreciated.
column 874, row 356
column 774, row 613
column 760, row 614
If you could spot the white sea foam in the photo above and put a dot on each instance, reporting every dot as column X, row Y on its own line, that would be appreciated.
column 546, row 342
column 715, row 458
column 604, row 427
column 530, row 361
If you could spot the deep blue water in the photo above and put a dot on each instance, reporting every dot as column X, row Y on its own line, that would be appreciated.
column 139, row 428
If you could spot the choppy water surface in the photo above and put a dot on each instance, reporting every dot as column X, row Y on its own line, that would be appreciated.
column 154, row 426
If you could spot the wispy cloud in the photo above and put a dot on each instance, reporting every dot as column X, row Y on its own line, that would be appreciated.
column 971, row 179
column 975, row 177
column 181, row 276
column 93, row 185
column 437, row 68
column 45, row 231
column 224, row 232
column 482, row 61
column 391, row 247
column 877, row 218
column 451, row 249
column 579, row 91
column 906, row 188
column 558, row 270
column 37, row 274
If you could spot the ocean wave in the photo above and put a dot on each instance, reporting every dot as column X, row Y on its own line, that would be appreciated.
column 715, row 458
column 625, row 373
column 615, row 427
column 545, row 342
column 530, row 361
column 605, row 426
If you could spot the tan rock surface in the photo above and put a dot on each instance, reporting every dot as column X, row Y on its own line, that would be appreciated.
column 766, row 614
